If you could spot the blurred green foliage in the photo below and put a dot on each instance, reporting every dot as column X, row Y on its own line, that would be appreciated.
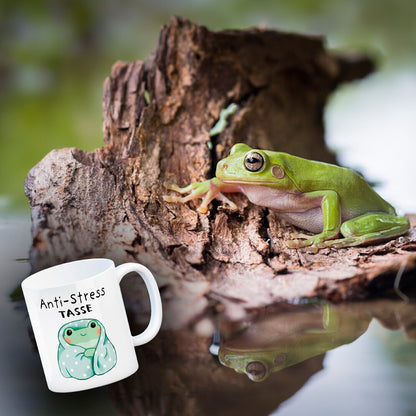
column 55, row 55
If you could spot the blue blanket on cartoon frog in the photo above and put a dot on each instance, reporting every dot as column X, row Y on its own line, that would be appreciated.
column 84, row 349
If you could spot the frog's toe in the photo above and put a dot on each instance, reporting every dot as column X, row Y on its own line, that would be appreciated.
column 202, row 209
column 292, row 243
column 298, row 243
column 170, row 198
column 310, row 244
column 315, row 242
column 180, row 199
column 193, row 187
column 227, row 201
column 339, row 243
column 313, row 249
column 171, row 186
column 296, row 236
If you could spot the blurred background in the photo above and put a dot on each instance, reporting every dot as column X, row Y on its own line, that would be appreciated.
column 55, row 55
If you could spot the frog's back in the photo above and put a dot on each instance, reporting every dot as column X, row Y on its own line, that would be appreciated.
column 356, row 195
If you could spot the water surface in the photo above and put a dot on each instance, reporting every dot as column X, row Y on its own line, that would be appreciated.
column 343, row 359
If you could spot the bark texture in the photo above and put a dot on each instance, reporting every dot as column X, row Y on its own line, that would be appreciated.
column 157, row 117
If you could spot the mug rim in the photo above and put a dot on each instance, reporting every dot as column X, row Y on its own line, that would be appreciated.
column 42, row 279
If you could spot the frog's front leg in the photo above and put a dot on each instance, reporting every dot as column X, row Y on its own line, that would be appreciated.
column 369, row 228
column 207, row 190
column 331, row 212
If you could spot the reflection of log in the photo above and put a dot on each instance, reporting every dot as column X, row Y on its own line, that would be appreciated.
column 157, row 118
column 392, row 314
column 275, row 341
column 178, row 376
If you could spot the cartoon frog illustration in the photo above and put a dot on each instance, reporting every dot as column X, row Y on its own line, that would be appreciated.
column 84, row 349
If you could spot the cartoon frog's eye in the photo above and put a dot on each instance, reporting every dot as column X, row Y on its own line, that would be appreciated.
column 68, row 332
column 93, row 324
column 253, row 161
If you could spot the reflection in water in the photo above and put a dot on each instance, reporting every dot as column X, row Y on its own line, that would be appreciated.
column 179, row 375
column 282, row 340
column 283, row 348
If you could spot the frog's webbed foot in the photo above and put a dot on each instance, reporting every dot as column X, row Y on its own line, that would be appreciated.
column 309, row 245
column 302, row 236
column 314, row 243
column 196, row 190
column 207, row 190
column 209, row 196
column 221, row 197
column 176, row 188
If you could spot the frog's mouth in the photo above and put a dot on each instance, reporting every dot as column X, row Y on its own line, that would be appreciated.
column 225, row 179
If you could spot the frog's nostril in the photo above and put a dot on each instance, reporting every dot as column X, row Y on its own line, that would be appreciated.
column 224, row 166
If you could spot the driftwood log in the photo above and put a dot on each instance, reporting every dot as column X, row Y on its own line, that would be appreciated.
column 157, row 118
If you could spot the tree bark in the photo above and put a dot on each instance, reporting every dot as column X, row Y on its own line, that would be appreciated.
column 157, row 118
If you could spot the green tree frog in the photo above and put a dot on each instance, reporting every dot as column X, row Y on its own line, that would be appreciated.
column 324, row 199
column 279, row 341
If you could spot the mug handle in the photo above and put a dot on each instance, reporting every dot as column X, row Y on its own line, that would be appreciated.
column 155, row 302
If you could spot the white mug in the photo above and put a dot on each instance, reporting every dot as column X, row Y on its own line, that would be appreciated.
column 80, row 322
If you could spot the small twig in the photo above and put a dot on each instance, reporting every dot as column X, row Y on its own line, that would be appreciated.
column 397, row 282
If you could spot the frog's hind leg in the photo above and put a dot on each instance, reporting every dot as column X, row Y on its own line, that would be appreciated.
column 368, row 229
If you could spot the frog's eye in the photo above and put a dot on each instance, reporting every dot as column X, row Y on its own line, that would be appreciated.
column 68, row 332
column 253, row 161
column 93, row 324
column 256, row 370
